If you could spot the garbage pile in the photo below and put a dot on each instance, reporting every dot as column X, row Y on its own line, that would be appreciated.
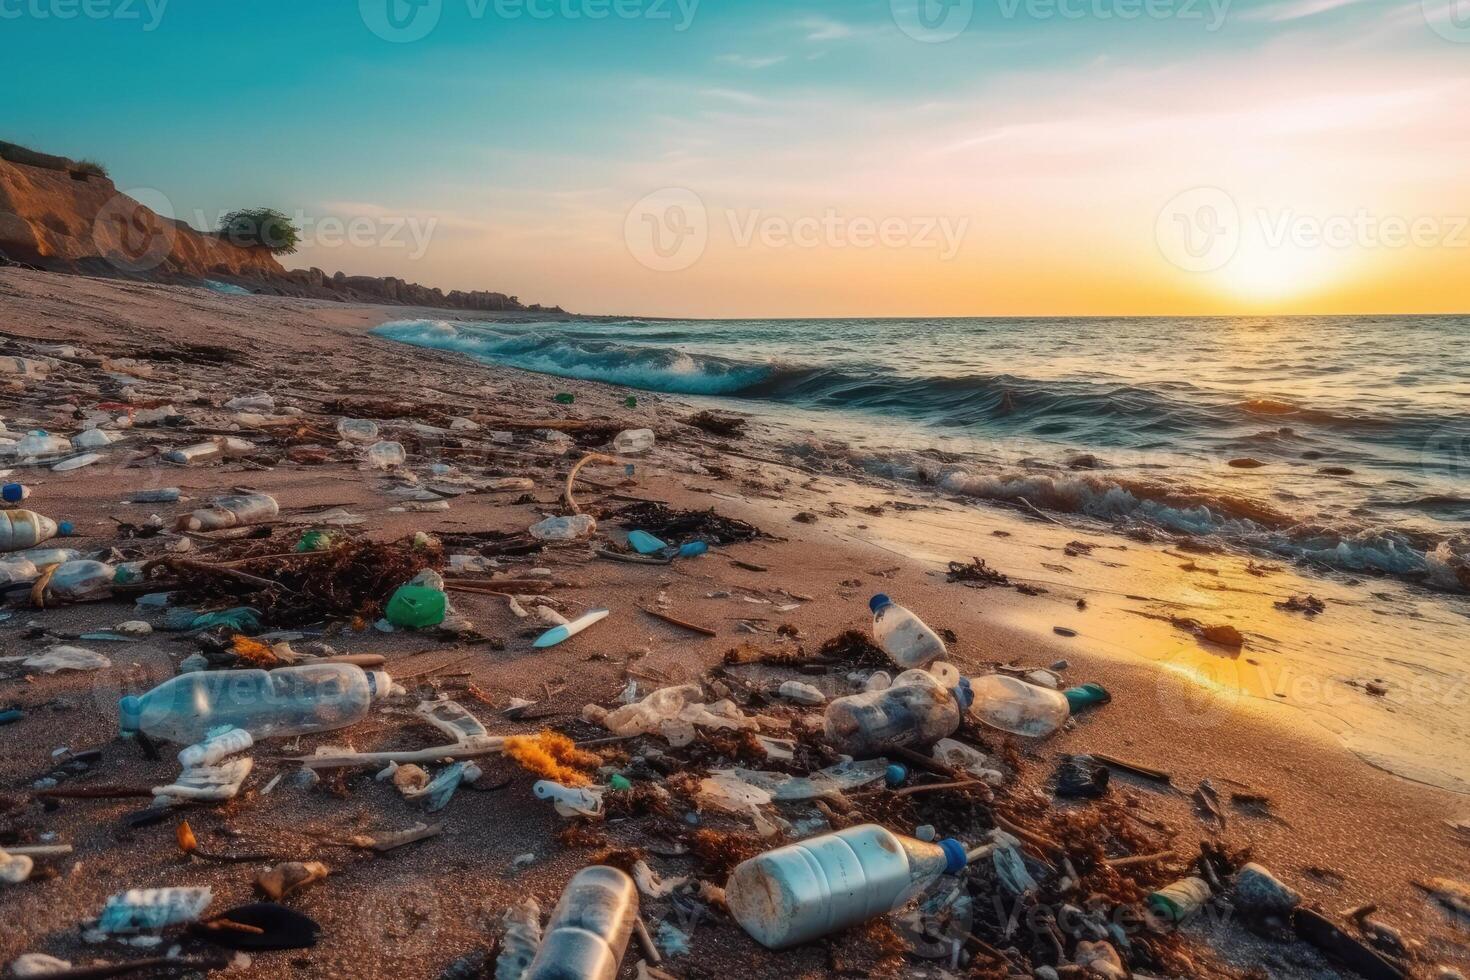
column 862, row 798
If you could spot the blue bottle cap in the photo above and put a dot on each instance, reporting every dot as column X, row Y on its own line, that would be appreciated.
column 130, row 714
column 964, row 694
column 879, row 601
column 954, row 854
column 896, row 774
column 66, row 528
column 12, row 493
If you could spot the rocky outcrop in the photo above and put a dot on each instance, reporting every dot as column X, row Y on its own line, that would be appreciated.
column 68, row 220
column 60, row 215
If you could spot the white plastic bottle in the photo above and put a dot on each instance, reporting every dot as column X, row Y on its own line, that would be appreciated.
column 235, row 511
column 589, row 931
column 902, row 635
column 80, row 580
column 819, row 886
column 267, row 704
column 1014, row 706
column 24, row 529
column 916, row 709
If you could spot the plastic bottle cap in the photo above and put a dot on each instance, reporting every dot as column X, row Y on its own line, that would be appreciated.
column 13, row 493
column 130, row 714
column 896, row 774
column 66, row 529
column 381, row 683
column 964, row 693
column 879, row 601
column 954, row 854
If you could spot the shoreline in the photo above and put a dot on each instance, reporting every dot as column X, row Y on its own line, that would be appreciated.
column 1328, row 810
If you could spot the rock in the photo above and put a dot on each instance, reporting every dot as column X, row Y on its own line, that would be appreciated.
column 1258, row 892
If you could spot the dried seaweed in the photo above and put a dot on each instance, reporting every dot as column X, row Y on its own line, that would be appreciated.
column 728, row 426
column 853, row 649
column 660, row 519
column 977, row 572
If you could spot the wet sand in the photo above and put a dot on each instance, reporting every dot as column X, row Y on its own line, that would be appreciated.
column 1342, row 831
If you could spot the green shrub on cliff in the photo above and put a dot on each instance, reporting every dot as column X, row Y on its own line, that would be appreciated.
column 90, row 167
column 260, row 228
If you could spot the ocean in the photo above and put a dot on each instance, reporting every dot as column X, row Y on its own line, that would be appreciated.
column 1340, row 443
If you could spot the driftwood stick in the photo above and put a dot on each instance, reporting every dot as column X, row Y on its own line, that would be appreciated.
column 692, row 627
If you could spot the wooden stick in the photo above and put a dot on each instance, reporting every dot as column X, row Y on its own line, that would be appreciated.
column 1029, row 836
column 572, row 476
column 650, row 951
column 611, row 555
column 94, row 792
column 490, row 745
column 1137, row 859
column 1133, row 768
column 692, row 627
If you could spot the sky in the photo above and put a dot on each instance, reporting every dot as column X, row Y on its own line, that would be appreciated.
column 761, row 158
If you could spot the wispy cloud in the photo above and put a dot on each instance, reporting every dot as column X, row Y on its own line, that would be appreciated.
column 734, row 95
column 826, row 29
column 1277, row 13
column 753, row 62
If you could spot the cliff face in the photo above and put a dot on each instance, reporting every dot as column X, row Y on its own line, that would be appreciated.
column 66, row 221
column 58, row 217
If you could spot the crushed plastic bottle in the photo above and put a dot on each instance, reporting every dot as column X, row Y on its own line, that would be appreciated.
column 571, row 528
column 590, row 928
column 807, row 890
column 916, row 709
column 41, row 443
column 233, row 511
column 204, row 452
column 520, row 938
column 385, row 455
column 79, row 581
column 902, row 635
column 633, row 441
column 267, row 704
column 24, row 529
column 91, row 439
column 417, row 606
column 357, row 430
column 149, row 909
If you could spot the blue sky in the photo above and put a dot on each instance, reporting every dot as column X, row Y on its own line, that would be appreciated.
column 527, row 136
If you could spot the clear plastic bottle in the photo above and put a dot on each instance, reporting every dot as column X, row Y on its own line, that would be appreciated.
column 267, row 704
column 82, row 580
column 564, row 528
column 357, row 430
column 235, row 511
column 1014, row 706
column 589, row 931
column 819, row 886
column 902, row 635
column 24, row 529
column 915, row 710
column 41, row 443
column 634, row 441
column 385, row 455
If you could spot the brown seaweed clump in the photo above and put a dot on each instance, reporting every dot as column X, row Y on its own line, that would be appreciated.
column 552, row 755
column 976, row 573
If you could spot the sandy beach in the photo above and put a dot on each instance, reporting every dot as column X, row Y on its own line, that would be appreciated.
column 1347, row 795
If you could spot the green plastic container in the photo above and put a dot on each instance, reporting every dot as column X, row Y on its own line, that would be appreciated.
column 315, row 541
column 416, row 606
column 1086, row 696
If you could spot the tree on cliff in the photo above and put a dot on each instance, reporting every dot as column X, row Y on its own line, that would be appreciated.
column 260, row 228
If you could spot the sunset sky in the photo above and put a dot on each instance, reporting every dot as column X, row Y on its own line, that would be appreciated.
column 798, row 157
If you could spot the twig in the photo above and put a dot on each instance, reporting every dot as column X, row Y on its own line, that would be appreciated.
column 1037, row 511
column 1137, row 859
column 650, row 951
column 692, row 627
column 1132, row 768
column 611, row 555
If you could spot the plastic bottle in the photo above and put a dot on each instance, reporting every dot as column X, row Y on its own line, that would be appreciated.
column 24, row 529
column 91, row 439
column 902, row 635
column 819, row 886
column 633, row 441
column 563, row 528
column 357, row 430
column 235, row 511
column 915, row 710
column 81, row 580
column 267, row 704
column 41, row 443
column 203, row 452
column 385, row 455
column 1014, row 706
column 589, row 931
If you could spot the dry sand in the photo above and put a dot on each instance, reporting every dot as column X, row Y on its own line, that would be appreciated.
column 1343, row 832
